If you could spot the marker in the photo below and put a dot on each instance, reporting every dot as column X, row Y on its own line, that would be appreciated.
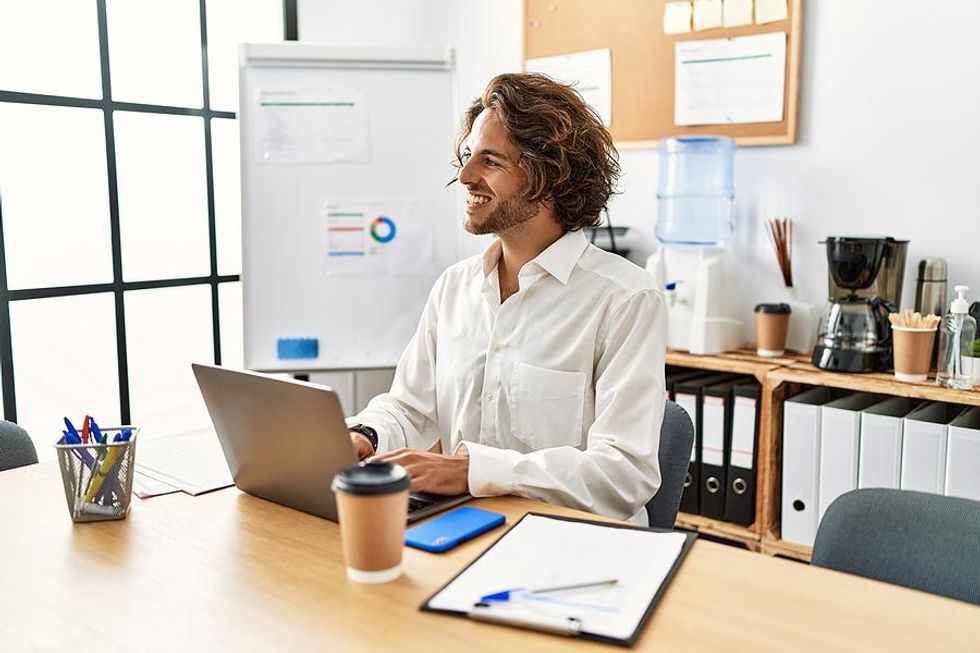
column 85, row 429
column 71, row 435
column 505, row 595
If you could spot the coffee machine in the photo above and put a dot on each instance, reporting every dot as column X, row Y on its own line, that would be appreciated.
column 865, row 277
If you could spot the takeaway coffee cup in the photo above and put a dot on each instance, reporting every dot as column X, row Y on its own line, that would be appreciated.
column 372, row 503
column 771, row 327
column 913, row 352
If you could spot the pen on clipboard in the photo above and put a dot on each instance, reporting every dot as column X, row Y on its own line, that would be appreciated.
column 570, row 626
column 506, row 595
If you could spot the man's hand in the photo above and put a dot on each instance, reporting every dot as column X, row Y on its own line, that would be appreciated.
column 432, row 472
column 362, row 446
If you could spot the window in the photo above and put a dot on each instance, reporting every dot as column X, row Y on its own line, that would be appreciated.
column 120, row 233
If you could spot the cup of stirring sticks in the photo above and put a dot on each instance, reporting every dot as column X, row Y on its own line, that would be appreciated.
column 912, row 336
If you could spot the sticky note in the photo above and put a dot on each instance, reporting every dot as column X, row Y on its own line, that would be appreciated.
column 677, row 17
column 707, row 14
column 769, row 11
column 293, row 348
column 737, row 13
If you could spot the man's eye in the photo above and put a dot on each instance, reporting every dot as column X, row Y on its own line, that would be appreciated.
column 490, row 163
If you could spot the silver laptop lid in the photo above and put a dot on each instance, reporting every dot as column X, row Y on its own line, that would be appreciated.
column 284, row 440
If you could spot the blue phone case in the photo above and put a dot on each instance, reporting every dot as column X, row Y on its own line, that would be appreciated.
column 446, row 531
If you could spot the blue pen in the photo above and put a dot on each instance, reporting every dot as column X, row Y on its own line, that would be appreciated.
column 72, row 437
column 506, row 595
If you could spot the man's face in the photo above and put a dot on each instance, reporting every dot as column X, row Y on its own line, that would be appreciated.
column 496, row 185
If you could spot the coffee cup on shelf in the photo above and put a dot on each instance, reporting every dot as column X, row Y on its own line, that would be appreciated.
column 771, row 327
column 372, row 506
column 912, row 348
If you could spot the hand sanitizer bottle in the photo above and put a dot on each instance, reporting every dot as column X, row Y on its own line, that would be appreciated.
column 956, row 335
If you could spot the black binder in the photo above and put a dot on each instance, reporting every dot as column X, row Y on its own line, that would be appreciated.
column 677, row 375
column 740, row 492
column 688, row 395
column 716, row 438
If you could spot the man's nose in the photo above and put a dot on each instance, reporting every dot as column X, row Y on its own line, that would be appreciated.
column 467, row 175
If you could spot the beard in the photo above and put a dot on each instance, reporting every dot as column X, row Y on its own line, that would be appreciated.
column 509, row 213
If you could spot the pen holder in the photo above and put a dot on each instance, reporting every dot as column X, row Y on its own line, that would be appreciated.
column 98, row 478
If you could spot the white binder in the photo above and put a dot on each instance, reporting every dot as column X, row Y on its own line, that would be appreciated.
column 801, row 464
column 880, row 463
column 840, row 438
column 924, row 437
column 963, row 456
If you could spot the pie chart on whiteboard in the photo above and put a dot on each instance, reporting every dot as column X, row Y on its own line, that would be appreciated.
column 383, row 229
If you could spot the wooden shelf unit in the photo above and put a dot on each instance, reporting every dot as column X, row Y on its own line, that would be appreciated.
column 781, row 378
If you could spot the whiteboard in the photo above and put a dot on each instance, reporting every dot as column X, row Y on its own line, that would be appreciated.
column 346, row 216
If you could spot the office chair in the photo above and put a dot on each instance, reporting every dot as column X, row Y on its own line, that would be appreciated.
column 676, row 442
column 927, row 542
column 16, row 448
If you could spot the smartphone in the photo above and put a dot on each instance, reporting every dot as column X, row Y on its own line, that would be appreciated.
column 446, row 531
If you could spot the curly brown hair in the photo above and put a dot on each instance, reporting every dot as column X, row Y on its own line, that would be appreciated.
column 567, row 155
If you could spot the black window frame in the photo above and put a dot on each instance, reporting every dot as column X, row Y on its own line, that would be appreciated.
column 118, row 287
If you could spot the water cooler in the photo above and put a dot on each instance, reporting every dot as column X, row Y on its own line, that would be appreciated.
column 693, row 266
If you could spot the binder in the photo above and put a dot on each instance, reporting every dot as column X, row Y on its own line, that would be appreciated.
column 924, row 437
column 801, row 464
column 963, row 456
column 678, row 375
column 740, row 492
column 716, row 438
column 534, row 554
column 880, row 460
column 840, row 438
column 687, row 394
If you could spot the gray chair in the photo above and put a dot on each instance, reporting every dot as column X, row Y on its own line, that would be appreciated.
column 676, row 442
column 928, row 542
column 16, row 448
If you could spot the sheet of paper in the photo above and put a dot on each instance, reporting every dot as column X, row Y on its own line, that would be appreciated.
column 724, row 81
column 535, row 554
column 378, row 238
column 737, row 13
column 146, row 486
column 707, row 14
column 677, row 17
column 769, row 11
column 589, row 72
column 191, row 461
column 312, row 126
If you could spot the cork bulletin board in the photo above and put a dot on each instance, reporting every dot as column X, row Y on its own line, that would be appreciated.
column 643, row 64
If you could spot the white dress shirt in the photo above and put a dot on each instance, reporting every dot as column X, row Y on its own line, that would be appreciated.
column 557, row 393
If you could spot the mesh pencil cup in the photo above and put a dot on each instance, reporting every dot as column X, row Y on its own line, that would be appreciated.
column 98, row 478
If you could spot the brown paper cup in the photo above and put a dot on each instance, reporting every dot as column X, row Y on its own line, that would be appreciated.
column 770, row 332
column 372, row 506
column 913, row 353
column 372, row 530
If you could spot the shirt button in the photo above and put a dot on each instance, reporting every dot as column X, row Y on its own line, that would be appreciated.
column 488, row 397
column 497, row 348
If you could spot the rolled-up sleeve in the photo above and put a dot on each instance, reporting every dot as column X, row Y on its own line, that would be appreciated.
column 617, row 472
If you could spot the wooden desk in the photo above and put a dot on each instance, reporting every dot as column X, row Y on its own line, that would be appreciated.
column 227, row 571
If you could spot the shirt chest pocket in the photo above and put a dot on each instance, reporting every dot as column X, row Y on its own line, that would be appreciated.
column 547, row 406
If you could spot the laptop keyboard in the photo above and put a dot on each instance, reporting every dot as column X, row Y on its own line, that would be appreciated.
column 416, row 503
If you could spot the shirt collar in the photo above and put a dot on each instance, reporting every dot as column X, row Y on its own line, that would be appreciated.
column 557, row 260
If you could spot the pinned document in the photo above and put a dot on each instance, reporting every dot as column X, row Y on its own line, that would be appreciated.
column 737, row 13
column 770, row 11
column 707, row 14
column 677, row 17
column 318, row 125
column 728, row 81
column 589, row 73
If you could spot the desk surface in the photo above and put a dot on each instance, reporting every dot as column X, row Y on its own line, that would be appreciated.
column 227, row 571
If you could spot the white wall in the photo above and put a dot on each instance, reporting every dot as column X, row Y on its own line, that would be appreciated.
column 889, row 132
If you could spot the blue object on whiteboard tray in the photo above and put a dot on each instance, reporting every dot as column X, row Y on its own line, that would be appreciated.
column 293, row 348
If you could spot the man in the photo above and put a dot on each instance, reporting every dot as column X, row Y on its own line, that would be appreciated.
column 538, row 366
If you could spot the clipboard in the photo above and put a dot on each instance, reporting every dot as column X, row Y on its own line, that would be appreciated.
column 617, row 616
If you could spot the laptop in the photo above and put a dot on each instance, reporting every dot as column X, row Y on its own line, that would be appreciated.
column 284, row 440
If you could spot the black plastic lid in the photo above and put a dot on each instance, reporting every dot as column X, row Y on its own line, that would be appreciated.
column 371, row 479
column 777, row 309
